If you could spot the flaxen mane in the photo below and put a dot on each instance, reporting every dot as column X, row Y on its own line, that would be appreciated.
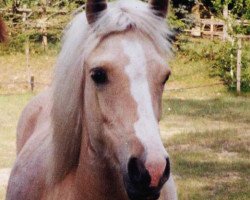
column 80, row 39
column 3, row 31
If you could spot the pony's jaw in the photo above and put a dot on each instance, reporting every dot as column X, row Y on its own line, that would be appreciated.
column 127, row 109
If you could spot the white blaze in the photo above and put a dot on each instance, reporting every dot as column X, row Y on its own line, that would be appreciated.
column 146, row 128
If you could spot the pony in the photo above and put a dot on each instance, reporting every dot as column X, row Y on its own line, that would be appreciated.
column 94, row 134
column 3, row 31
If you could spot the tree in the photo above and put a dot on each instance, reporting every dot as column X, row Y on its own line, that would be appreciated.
column 239, row 8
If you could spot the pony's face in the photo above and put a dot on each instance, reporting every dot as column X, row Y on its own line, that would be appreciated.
column 124, row 81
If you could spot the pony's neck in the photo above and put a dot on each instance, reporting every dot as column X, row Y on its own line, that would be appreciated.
column 95, row 178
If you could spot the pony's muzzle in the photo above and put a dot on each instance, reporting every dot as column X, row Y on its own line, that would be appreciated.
column 144, row 181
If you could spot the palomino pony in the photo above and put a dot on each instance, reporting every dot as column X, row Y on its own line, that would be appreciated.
column 3, row 32
column 94, row 134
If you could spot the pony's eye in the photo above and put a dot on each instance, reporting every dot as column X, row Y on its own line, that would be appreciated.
column 99, row 76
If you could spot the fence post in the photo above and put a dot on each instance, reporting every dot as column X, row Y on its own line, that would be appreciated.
column 44, row 28
column 212, row 27
column 24, row 14
column 239, row 53
column 32, row 83
column 225, row 27
column 27, row 45
column 45, row 39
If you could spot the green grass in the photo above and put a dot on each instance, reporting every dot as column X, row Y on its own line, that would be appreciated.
column 190, row 70
column 15, row 74
column 228, row 109
column 10, row 109
column 211, row 165
column 192, row 67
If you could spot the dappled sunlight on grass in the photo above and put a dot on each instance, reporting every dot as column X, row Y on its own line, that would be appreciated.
column 199, row 115
column 2, row 192
column 15, row 75
column 211, row 165
column 11, row 107
column 7, row 147
column 226, row 109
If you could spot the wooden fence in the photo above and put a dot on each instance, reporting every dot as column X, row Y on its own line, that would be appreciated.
column 215, row 28
column 206, row 27
column 219, row 28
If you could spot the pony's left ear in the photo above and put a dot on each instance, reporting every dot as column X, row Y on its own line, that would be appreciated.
column 94, row 8
column 160, row 7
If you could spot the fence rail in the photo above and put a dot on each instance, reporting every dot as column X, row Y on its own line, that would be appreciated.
column 193, row 87
column 32, row 84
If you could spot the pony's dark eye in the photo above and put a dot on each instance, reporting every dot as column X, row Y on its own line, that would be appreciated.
column 99, row 76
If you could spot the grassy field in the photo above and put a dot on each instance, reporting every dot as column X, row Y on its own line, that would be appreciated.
column 10, row 108
column 15, row 75
column 206, row 130
column 209, row 143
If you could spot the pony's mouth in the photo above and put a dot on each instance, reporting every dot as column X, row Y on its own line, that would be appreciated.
column 142, row 192
column 137, row 181
column 143, row 195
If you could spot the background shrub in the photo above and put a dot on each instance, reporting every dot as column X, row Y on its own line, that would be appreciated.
column 225, row 66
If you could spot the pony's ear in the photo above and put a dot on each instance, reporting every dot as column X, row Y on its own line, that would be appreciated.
column 3, row 31
column 160, row 7
column 94, row 8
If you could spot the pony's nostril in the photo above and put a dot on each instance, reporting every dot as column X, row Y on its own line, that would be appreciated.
column 133, row 170
column 167, row 170
column 143, row 178
column 137, row 172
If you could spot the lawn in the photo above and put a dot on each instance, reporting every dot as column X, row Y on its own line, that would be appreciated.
column 211, row 165
column 205, row 129
column 15, row 73
column 209, row 144
column 10, row 108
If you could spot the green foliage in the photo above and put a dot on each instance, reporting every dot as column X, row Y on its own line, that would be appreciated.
column 176, row 23
column 225, row 66
column 180, row 17
column 20, row 33
column 17, row 43
column 222, row 57
column 239, row 9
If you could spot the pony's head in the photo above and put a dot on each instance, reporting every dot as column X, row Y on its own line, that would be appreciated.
column 109, row 84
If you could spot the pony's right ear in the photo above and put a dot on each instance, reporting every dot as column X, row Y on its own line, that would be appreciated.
column 94, row 8
column 160, row 7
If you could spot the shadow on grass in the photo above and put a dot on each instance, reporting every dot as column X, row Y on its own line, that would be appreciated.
column 200, row 168
column 207, row 169
column 229, row 109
